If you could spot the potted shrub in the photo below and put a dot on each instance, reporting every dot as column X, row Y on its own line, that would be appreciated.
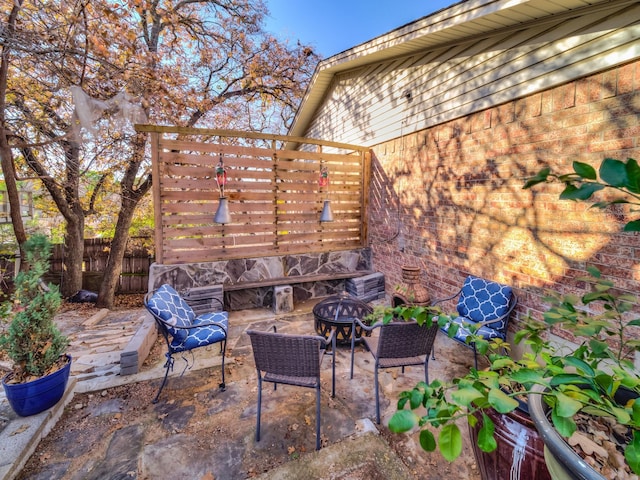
column 581, row 384
column 580, row 387
column 31, row 339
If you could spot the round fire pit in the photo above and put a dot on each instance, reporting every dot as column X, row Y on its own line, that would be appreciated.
column 338, row 311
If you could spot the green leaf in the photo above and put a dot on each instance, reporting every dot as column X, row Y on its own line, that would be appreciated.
column 635, row 408
column 453, row 329
column 632, row 453
column 606, row 382
column 614, row 172
column 585, row 170
column 580, row 365
column 501, row 402
column 633, row 226
column 540, row 177
column 566, row 406
column 416, row 398
column 595, row 296
column 565, row 426
column 527, row 375
column 598, row 347
column 583, row 192
column 593, row 271
column 633, row 175
column 486, row 440
column 622, row 416
column 500, row 363
column 552, row 317
column 567, row 379
column 427, row 441
column 465, row 396
column 450, row 441
column 402, row 421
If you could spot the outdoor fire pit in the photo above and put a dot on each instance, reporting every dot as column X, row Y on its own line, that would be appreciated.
column 338, row 311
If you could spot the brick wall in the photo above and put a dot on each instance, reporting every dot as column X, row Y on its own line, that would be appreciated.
column 450, row 200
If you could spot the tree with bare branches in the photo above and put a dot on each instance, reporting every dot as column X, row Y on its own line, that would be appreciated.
column 81, row 72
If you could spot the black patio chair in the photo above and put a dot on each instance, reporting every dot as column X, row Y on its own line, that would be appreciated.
column 399, row 344
column 484, row 304
column 292, row 360
column 182, row 329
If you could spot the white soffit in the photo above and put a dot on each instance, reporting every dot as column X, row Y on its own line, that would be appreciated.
column 450, row 25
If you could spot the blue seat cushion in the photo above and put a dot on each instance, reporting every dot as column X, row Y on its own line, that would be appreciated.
column 484, row 331
column 167, row 304
column 483, row 300
column 205, row 335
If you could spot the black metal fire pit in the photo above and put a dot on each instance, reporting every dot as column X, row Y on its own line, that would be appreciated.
column 338, row 311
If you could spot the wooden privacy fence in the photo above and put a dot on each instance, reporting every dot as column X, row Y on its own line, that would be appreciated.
column 134, row 277
column 274, row 195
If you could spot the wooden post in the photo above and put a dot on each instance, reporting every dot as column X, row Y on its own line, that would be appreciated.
column 366, row 184
column 157, row 198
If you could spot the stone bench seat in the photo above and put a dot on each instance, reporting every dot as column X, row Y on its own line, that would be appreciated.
column 316, row 277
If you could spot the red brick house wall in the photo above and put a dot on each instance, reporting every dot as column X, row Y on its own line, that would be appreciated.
column 450, row 200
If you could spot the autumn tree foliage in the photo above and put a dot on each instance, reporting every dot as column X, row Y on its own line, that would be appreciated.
column 78, row 73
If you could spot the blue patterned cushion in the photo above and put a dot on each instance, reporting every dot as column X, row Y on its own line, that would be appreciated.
column 483, row 300
column 484, row 331
column 201, row 336
column 167, row 304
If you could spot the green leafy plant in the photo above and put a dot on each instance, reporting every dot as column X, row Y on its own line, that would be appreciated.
column 584, row 380
column 583, row 182
column 32, row 340
column 408, row 312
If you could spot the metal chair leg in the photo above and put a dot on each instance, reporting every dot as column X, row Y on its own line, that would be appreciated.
column 377, row 395
column 259, row 407
column 333, row 367
column 168, row 365
column 353, row 346
column 223, row 348
column 318, row 417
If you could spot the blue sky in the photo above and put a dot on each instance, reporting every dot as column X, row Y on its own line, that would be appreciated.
column 332, row 26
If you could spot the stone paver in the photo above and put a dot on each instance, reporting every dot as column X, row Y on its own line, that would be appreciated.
column 354, row 451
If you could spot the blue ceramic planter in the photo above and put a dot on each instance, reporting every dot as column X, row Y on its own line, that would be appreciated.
column 33, row 397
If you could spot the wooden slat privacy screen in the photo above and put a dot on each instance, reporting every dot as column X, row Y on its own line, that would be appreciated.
column 273, row 193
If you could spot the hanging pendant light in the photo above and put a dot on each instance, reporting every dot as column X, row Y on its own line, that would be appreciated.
column 222, row 214
column 326, row 215
column 323, row 181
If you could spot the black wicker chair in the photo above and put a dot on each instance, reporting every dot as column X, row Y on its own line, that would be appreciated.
column 292, row 360
column 399, row 344
column 182, row 329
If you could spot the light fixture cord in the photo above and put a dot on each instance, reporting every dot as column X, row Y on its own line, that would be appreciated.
column 406, row 94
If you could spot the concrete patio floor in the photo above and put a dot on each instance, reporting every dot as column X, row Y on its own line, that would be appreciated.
column 110, row 428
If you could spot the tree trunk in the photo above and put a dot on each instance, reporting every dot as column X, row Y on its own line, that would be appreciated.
column 6, row 156
column 130, row 197
column 6, row 160
column 73, row 258
column 112, row 272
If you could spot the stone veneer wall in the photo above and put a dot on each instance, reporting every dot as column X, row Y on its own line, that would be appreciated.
column 185, row 276
column 449, row 199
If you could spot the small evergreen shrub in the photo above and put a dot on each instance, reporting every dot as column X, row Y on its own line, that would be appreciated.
column 32, row 340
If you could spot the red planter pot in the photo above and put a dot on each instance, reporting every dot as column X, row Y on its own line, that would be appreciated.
column 520, row 452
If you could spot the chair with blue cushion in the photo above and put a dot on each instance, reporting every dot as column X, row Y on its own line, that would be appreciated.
column 484, row 304
column 182, row 330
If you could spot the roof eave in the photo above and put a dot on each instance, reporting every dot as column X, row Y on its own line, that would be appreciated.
column 440, row 28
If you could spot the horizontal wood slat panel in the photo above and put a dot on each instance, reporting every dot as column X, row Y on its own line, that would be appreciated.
column 273, row 195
